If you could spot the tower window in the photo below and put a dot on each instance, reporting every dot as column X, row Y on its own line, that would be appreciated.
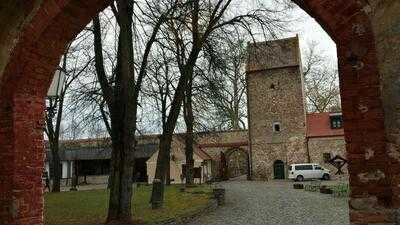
column 277, row 127
column 326, row 156
column 336, row 121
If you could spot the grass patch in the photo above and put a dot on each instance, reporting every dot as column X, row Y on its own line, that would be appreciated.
column 90, row 207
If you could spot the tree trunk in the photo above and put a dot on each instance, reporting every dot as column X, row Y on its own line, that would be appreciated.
column 122, row 166
column 168, row 168
column 188, row 116
column 186, row 71
column 223, row 167
column 55, row 167
column 164, row 126
column 123, row 112
column 74, row 180
column 157, row 196
column 236, row 102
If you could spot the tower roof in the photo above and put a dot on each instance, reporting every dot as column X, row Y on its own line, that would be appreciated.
column 273, row 54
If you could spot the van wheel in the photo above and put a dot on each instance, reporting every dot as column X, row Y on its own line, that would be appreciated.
column 325, row 176
column 300, row 178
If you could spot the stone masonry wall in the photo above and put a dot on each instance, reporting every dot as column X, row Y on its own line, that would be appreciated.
column 223, row 137
column 275, row 95
column 385, row 19
column 320, row 145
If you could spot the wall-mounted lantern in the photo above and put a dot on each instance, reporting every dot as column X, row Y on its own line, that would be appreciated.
column 57, row 84
column 55, row 91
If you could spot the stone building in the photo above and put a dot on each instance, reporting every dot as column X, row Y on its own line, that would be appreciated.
column 325, row 139
column 202, row 163
column 280, row 131
column 90, row 158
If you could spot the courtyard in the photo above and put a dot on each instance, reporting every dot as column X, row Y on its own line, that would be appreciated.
column 247, row 202
column 276, row 203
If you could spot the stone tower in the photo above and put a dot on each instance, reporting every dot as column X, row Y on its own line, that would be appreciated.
column 276, row 113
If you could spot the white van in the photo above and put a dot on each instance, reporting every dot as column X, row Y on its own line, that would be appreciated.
column 300, row 172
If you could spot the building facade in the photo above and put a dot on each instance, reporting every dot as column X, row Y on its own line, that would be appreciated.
column 90, row 158
column 202, row 163
column 279, row 132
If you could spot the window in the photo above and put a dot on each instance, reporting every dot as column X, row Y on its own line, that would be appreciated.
column 326, row 157
column 304, row 167
column 318, row 168
column 336, row 121
column 277, row 127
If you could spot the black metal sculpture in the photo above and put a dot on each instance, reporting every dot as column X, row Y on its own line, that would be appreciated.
column 338, row 162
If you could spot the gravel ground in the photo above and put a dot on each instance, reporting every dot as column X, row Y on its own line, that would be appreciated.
column 275, row 203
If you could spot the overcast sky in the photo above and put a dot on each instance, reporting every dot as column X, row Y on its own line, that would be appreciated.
column 309, row 30
column 302, row 24
column 305, row 26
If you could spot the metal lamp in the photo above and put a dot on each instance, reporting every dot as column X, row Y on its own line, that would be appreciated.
column 57, row 84
column 55, row 90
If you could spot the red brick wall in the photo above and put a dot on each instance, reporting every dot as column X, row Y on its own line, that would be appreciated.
column 369, row 166
column 24, row 84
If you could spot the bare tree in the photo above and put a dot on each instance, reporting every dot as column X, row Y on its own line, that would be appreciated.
column 120, row 92
column 120, row 101
column 186, row 37
column 189, row 138
column 160, row 88
column 72, row 67
column 321, row 82
column 221, row 95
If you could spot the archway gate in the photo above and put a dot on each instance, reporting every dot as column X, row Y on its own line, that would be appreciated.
column 226, row 149
column 36, row 33
column 238, row 162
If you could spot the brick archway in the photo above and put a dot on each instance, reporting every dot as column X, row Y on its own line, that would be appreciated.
column 45, row 31
column 34, row 49
column 372, row 171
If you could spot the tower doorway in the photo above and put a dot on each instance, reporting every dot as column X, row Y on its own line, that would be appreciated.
column 279, row 170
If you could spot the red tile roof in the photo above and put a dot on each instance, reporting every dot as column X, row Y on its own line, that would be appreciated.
column 318, row 125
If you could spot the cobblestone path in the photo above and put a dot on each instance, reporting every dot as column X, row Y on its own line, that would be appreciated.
column 275, row 203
